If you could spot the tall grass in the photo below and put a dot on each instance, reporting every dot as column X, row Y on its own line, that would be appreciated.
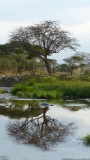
column 52, row 88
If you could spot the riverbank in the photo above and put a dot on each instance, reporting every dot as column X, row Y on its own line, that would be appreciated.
column 10, row 81
column 52, row 88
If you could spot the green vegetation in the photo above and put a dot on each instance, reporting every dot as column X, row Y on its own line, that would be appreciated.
column 29, row 49
column 86, row 140
column 1, row 91
column 42, row 40
column 28, row 52
column 52, row 88
column 74, row 62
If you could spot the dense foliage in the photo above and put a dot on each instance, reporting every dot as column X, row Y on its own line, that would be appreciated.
column 52, row 88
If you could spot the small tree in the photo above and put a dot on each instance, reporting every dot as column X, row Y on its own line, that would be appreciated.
column 63, row 68
column 74, row 62
column 44, row 39
column 33, row 66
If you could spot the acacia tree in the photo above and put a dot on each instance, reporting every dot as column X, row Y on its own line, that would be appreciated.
column 44, row 39
column 75, row 61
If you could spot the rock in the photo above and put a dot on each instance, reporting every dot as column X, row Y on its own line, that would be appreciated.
column 43, row 104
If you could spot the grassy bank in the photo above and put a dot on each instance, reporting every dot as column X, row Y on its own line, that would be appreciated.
column 52, row 88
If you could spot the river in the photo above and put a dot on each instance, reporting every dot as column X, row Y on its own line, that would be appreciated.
column 51, row 133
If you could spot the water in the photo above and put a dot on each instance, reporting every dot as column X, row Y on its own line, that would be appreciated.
column 52, row 133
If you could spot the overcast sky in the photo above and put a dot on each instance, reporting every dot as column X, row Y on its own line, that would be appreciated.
column 73, row 15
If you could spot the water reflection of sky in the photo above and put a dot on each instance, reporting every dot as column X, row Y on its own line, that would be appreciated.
column 72, row 148
column 80, row 117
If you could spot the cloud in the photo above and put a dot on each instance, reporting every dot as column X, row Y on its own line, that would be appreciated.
column 82, row 33
column 7, row 27
column 80, row 30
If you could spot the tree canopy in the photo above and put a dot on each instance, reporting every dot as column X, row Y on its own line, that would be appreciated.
column 75, row 61
column 44, row 39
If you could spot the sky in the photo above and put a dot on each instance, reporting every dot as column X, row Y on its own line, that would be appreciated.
column 73, row 16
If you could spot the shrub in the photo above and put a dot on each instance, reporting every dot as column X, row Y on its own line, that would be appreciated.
column 86, row 140
column 1, row 91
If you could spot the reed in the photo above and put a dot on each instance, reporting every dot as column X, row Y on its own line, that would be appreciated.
column 53, row 88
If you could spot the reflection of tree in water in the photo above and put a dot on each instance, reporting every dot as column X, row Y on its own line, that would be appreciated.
column 4, row 158
column 41, row 131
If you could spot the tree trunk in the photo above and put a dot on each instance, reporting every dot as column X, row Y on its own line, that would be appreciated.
column 48, row 67
column 71, row 72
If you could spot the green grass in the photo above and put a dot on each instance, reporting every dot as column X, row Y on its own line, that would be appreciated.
column 86, row 140
column 52, row 88
column 1, row 91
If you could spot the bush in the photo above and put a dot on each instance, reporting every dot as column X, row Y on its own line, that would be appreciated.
column 1, row 91
column 86, row 140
